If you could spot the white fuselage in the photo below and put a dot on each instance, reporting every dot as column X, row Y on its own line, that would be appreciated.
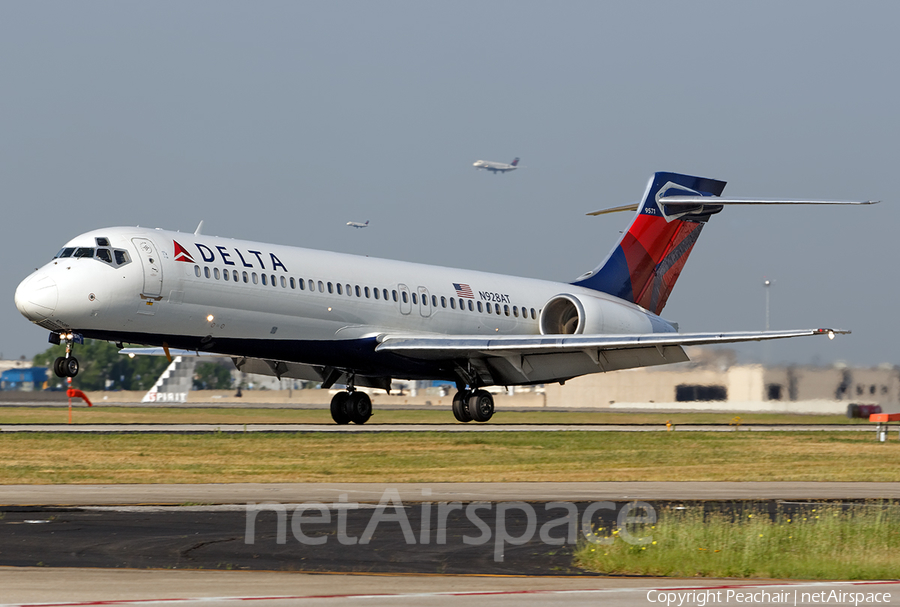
column 173, row 290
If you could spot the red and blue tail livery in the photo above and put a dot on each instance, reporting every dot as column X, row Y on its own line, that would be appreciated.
column 647, row 261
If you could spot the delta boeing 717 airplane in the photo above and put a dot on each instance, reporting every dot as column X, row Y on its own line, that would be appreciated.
column 345, row 319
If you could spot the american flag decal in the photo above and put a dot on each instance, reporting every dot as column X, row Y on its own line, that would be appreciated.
column 463, row 290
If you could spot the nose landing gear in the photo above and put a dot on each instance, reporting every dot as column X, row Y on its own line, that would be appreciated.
column 66, row 366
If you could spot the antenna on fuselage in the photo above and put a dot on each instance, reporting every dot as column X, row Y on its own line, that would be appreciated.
column 199, row 227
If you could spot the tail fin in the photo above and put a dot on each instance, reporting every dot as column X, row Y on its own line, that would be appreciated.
column 645, row 264
column 515, row 162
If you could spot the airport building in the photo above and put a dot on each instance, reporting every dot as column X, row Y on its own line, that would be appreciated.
column 713, row 381
column 23, row 379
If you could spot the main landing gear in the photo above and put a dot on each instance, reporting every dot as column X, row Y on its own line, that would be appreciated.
column 65, row 366
column 351, row 406
column 471, row 405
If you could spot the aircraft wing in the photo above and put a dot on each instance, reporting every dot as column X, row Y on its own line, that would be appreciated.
column 543, row 358
column 509, row 360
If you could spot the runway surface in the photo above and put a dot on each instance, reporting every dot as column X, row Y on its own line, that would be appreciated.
column 368, row 428
column 275, row 589
column 243, row 493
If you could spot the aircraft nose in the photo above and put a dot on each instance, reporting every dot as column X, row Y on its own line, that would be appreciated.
column 36, row 297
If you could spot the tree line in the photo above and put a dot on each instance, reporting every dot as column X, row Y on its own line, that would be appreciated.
column 103, row 368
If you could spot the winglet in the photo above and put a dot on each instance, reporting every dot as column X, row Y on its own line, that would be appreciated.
column 199, row 227
column 831, row 332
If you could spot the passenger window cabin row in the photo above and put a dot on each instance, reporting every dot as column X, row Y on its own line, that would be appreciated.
column 367, row 292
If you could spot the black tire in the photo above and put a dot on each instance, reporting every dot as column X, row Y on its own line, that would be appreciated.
column 70, row 366
column 359, row 407
column 339, row 408
column 481, row 406
column 460, row 407
column 58, row 366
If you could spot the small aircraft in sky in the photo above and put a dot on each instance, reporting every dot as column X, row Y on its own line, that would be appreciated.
column 345, row 319
column 496, row 167
column 356, row 224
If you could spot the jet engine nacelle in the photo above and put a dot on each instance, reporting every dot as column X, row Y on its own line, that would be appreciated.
column 568, row 314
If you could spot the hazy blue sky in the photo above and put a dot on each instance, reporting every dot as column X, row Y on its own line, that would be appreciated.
column 281, row 121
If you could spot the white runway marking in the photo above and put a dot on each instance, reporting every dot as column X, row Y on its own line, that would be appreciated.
column 609, row 596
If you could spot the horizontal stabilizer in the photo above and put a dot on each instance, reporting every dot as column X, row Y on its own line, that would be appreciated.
column 627, row 207
column 694, row 200
column 689, row 201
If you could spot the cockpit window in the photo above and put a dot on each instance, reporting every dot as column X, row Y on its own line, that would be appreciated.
column 113, row 257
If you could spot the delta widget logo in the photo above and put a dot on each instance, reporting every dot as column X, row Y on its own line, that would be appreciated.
column 181, row 253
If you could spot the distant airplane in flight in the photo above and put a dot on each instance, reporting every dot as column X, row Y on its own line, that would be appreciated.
column 497, row 167
column 356, row 224
column 359, row 321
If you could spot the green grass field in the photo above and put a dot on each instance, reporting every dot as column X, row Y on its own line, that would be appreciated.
column 814, row 542
column 441, row 457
